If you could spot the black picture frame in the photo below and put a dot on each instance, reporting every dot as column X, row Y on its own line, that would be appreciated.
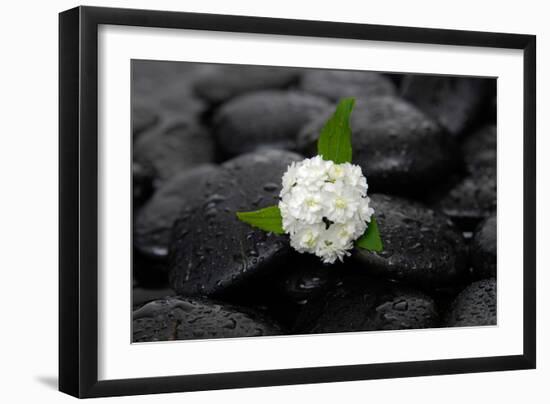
column 78, row 201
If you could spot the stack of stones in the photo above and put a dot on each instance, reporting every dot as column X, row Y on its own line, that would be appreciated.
column 211, row 140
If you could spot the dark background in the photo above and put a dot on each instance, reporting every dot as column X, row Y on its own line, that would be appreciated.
column 210, row 140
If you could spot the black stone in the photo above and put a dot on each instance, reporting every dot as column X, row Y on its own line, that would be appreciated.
column 456, row 102
column 480, row 149
column 154, row 221
column 474, row 306
column 484, row 249
column 165, row 89
column 399, row 149
column 301, row 279
column 221, row 83
column 264, row 119
column 421, row 246
column 335, row 84
column 174, row 147
column 470, row 200
column 212, row 252
column 182, row 318
column 360, row 303
column 259, row 174
column 151, row 77
column 141, row 295
column 305, row 279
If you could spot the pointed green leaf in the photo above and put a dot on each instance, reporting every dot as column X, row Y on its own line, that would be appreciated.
column 335, row 139
column 371, row 239
column 268, row 219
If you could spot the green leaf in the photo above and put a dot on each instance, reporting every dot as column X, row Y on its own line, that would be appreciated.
column 268, row 219
column 335, row 139
column 371, row 239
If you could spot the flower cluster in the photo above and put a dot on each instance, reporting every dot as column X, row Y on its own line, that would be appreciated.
column 324, row 207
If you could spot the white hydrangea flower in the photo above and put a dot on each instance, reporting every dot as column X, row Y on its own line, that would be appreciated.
column 324, row 207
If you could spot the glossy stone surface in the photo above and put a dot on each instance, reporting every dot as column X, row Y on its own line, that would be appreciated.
column 264, row 119
column 214, row 252
column 484, row 249
column 455, row 102
column 174, row 147
column 471, row 199
column 154, row 221
column 181, row 318
column 421, row 246
column 359, row 303
column 398, row 147
column 474, row 306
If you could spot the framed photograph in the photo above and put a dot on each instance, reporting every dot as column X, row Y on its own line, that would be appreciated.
column 251, row 201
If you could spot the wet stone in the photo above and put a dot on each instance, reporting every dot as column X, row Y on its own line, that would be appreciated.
column 181, row 318
column 259, row 174
column 154, row 221
column 303, row 278
column 470, row 200
column 456, row 102
column 360, row 303
column 399, row 149
column 176, row 146
column 484, row 249
column 421, row 246
column 474, row 306
column 266, row 119
column 212, row 252
column 141, row 295
column 222, row 83
column 335, row 85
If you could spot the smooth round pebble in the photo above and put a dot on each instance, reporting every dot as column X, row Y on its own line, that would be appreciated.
column 259, row 174
column 175, row 147
column 484, row 249
column 266, row 119
column 140, row 295
column 154, row 221
column 304, row 279
column 182, row 318
column 212, row 252
column 337, row 84
column 474, row 306
column 421, row 246
column 398, row 147
column 359, row 303
column 224, row 82
column 165, row 88
column 470, row 200
column 456, row 102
